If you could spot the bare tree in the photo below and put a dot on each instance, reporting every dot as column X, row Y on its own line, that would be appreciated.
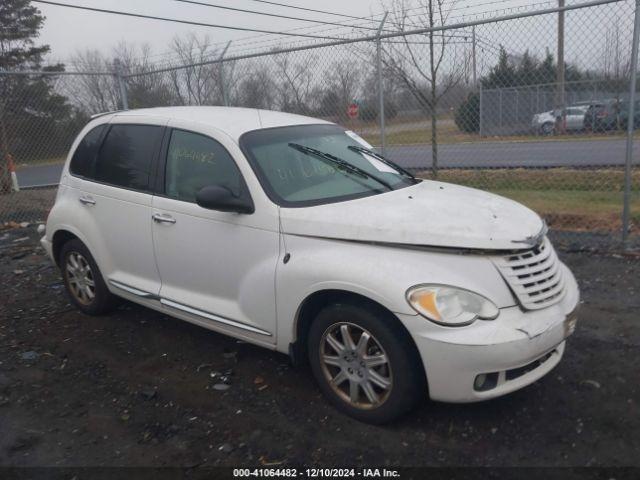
column 144, row 89
column 96, row 93
column 445, row 68
column 195, row 83
column 257, row 87
column 296, row 84
column 345, row 81
column 99, row 93
column 616, row 64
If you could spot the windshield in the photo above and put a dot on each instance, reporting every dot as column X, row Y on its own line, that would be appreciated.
column 301, row 165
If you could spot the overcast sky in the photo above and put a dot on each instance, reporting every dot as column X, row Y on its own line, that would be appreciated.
column 68, row 30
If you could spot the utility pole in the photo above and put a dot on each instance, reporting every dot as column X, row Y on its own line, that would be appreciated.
column 124, row 102
column 223, row 86
column 383, row 137
column 560, row 100
column 473, row 41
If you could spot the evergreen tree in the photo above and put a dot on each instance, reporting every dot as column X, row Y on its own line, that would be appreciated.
column 28, row 105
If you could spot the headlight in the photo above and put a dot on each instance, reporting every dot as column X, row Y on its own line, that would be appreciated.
column 449, row 305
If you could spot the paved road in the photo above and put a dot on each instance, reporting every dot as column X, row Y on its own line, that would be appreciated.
column 572, row 153
column 39, row 175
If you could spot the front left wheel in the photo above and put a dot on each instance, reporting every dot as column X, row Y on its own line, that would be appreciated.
column 83, row 280
column 364, row 362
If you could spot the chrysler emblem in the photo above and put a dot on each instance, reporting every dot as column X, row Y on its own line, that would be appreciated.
column 534, row 240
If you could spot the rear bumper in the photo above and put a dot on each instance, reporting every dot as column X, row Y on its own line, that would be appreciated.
column 514, row 350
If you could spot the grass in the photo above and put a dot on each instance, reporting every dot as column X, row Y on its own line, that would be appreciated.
column 577, row 200
column 448, row 133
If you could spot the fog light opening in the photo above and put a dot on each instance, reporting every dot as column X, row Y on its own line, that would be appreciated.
column 480, row 379
column 485, row 381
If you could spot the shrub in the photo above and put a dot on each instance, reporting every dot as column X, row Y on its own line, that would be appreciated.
column 467, row 115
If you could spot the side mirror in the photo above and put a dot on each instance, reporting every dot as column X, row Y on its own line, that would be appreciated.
column 217, row 197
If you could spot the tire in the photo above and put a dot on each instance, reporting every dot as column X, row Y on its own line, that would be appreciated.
column 83, row 280
column 403, row 370
column 547, row 128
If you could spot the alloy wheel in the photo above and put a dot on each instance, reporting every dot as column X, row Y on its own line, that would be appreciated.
column 80, row 278
column 355, row 365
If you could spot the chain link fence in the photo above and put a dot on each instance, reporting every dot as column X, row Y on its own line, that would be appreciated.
column 481, row 102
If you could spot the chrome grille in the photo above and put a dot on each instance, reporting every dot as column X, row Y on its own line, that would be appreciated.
column 535, row 276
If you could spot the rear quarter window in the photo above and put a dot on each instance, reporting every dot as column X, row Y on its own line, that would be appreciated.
column 84, row 157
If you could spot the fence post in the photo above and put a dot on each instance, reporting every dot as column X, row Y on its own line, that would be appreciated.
column 480, row 113
column 500, row 111
column 225, row 97
column 117, row 67
column 630, row 127
column 383, row 137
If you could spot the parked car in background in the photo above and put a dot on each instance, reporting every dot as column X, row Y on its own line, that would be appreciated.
column 545, row 123
column 292, row 233
column 623, row 116
column 602, row 115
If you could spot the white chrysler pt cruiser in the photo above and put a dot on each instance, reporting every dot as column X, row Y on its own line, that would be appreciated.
column 292, row 233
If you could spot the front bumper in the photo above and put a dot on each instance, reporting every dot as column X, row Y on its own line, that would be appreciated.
column 517, row 348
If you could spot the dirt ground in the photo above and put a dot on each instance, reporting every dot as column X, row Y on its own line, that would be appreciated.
column 134, row 389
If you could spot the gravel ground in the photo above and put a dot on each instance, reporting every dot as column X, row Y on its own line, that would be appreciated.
column 135, row 389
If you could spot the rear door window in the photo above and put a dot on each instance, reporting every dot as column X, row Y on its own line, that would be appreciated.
column 127, row 156
column 84, row 158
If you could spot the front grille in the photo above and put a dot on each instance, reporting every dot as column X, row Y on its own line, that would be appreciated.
column 535, row 276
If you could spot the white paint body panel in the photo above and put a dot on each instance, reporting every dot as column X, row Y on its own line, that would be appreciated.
column 230, row 266
column 428, row 213
column 219, row 262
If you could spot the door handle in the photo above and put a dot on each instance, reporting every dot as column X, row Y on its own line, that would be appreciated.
column 163, row 218
column 87, row 201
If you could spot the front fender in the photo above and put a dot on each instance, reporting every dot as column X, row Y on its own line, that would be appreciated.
column 380, row 273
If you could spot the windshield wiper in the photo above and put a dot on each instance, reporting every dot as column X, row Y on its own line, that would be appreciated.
column 384, row 160
column 341, row 164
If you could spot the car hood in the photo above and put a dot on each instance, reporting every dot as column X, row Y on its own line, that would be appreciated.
column 426, row 214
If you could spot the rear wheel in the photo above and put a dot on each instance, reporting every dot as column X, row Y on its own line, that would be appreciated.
column 83, row 280
column 365, row 364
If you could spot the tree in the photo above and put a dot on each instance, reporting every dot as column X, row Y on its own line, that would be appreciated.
column 257, row 88
column 427, row 81
column 95, row 93
column 502, row 74
column 615, row 63
column 296, row 84
column 101, row 93
column 28, row 103
column 143, row 88
column 342, row 88
column 196, row 83
column 391, row 87
column 467, row 116
column 526, row 69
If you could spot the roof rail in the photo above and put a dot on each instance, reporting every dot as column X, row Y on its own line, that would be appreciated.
column 102, row 114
